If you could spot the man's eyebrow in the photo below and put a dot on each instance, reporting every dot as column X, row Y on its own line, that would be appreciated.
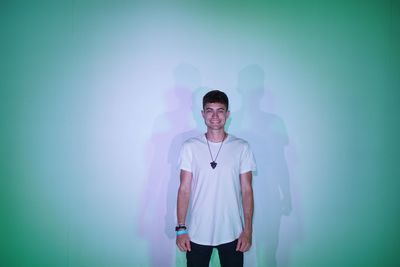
column 216, row 109
column 208, row 108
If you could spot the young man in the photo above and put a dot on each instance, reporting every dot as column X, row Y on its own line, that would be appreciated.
column 215, row 187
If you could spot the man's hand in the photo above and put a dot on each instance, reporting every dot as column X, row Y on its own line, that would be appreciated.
column 244, row 242
column 183, row 242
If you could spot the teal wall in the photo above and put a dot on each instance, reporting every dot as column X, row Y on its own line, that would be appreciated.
column 97, row 96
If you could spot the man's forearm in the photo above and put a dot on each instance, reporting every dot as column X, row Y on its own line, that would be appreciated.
column 248, row 207
column 182, row 205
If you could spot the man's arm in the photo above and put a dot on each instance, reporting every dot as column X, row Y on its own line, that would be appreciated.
column 244, row 242
column 183, row 241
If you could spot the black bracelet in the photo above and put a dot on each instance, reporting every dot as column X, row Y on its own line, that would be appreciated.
column 180, row 227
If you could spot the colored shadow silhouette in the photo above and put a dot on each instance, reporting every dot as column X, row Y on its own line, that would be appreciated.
column 267, row 135
column 158, row 202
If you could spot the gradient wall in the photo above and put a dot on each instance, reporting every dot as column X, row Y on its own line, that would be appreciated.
column 97, row 96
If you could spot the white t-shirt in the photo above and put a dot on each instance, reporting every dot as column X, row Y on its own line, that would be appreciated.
column 216, row 200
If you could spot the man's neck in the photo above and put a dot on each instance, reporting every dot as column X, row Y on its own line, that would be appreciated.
column 215, row 136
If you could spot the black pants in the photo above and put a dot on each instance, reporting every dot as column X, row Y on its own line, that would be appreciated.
column 200, row 255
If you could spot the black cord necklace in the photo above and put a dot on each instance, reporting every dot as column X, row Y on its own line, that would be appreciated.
column 213, row 163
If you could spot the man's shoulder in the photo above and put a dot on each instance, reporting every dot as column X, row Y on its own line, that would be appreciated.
column 237, row 140
column 193, row 140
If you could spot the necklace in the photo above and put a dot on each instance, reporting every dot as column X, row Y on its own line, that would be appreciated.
column 213, row 163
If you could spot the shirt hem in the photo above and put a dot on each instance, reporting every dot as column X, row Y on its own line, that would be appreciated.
column 213, row 244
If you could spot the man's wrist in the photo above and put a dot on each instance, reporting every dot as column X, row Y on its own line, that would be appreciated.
column 181, row 229
column 248, row 230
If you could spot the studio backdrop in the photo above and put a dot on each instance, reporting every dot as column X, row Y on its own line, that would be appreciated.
column 98, row 96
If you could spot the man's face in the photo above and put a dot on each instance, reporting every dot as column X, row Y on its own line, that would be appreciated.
column 215, row 115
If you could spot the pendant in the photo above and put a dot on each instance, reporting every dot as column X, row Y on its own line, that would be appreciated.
column 213, row 164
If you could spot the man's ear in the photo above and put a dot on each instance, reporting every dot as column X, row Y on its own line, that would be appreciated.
column 228, row 113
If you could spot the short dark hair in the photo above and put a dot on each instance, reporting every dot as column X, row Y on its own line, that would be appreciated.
column 216, row 96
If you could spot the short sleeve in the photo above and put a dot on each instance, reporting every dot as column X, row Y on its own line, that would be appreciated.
column 185, row 158
column 247, row 161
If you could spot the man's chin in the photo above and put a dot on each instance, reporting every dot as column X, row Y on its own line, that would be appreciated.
column 215, row 124
column 215, row 127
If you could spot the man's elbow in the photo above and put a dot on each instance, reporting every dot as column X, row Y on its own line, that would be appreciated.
column 184, row 191
column 247, row 191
